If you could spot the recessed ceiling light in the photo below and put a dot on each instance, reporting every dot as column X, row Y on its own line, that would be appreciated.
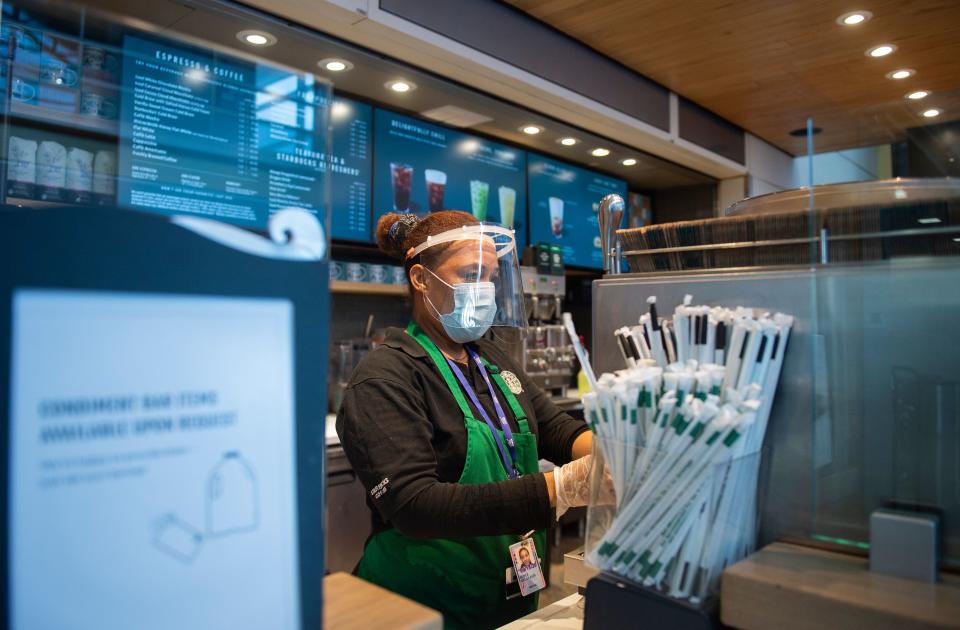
column 400, row 86
column 933, row 112
column 335, row 65
column 256, row 38
column 600, row 152
column 629, row 162
column 880, row 51
column 567, row 142
column 928, row 220
column 853, row 18
column 531, row 130
column 904, row 73
column 916, row 96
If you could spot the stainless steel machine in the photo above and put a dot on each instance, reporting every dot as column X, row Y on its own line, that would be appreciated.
column 547, row 355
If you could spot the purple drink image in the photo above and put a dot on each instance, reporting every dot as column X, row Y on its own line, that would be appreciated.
column 402, row 175
column 436, row 186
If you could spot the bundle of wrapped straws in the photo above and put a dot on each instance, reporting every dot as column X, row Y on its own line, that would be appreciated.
column 680, row 430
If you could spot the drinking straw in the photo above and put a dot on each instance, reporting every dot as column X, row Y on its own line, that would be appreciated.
column 681, row 428
column 579, row 350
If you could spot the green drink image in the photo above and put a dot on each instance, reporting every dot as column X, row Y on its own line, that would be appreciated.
column 479, row 192
column 508, row 203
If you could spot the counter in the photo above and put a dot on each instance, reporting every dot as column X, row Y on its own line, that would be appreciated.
column 565, row 614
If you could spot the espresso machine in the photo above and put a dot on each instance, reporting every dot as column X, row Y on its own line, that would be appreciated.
column 547, row 354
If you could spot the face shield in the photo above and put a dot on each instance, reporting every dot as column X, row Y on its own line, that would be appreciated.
column 471, row 276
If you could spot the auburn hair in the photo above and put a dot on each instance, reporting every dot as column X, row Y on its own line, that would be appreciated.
column 398, row 233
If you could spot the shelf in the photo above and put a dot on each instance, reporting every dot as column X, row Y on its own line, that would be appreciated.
column 35, row 203
column 368, row 288
column 70, row 122
column 947, row 229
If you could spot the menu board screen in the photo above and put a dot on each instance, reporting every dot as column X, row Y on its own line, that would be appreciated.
column 421, row 168
column 350, row 164
column 563, row 208
column 207, row 134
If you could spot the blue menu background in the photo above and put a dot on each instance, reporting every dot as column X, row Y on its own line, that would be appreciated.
column 581, row 191
column 214, row 136
column 351, row 164
column 461, row 156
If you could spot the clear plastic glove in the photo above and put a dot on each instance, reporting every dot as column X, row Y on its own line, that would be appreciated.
column 572, row 484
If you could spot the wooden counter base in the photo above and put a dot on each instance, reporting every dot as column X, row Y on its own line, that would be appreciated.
column 788, row 586
column 350, row 603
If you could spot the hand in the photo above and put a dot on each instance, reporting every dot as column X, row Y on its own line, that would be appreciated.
column 572, row 485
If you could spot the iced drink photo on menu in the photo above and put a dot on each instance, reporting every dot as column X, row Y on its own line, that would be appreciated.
column 402, row 175
column 556, row 215
column 436, row 185
column 479, row 192
column 508, row 203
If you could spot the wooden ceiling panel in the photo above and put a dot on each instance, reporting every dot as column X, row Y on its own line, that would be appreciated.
column 767, row 65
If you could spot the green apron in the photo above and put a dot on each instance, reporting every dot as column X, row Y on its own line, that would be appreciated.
column 463, row 578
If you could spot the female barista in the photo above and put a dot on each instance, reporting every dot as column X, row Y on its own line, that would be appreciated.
column 445, row 431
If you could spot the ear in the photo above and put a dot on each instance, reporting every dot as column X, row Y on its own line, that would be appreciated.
column 418, row 277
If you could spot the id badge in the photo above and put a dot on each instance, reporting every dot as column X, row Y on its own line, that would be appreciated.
column 526, row 565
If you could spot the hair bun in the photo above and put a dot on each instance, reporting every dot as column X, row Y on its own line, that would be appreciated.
column 392, row 232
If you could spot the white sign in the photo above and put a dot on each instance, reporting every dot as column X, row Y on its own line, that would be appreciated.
column 153, row 462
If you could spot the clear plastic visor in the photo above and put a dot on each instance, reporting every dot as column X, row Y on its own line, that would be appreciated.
column 464, row 267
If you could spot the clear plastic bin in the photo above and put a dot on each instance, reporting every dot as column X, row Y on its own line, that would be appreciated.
column 675, row 531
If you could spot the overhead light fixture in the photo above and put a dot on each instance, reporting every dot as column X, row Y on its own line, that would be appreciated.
column 400, row 86
column 933, row 112
column 629, row 162
column 567, row 142
column 600, row 152
column 853, row 18
column 880, row 51
column 928, row 220
column 916, row 96
column 256, row 38
column 903, row 73
column 531, row 130
column 335, row 65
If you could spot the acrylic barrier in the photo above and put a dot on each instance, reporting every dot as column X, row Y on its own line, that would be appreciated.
column 867, row 411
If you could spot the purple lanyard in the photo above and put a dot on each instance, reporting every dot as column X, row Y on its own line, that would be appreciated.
column 509, row 461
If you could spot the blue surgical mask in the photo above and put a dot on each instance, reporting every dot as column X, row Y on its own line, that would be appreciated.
column 474, row 308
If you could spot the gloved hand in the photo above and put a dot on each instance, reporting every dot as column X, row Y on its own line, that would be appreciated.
column 572, row 485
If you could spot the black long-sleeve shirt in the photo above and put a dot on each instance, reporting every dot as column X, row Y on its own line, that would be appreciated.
column 405, row 437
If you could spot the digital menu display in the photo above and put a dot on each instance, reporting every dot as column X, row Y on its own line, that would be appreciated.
column 420, row 167
column 563, row 208
column 350, row 165
column 207, row 134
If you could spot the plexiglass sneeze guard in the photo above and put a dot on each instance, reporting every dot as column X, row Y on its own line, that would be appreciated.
column 868, row 407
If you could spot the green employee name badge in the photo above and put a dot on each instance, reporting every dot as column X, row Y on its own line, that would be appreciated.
column 526, row 568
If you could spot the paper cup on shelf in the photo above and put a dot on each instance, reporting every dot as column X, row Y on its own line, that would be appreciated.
column 357, row 272
column 377, row 274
